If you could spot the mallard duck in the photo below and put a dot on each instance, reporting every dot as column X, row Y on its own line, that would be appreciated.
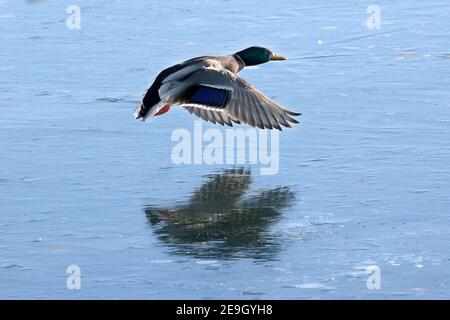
column 209, row 87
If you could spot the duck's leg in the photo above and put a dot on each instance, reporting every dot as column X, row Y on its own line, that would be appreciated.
column 163, row 110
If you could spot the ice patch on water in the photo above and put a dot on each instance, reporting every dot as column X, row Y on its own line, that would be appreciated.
column 160, row 261
column 313, row 285
column 207, row 262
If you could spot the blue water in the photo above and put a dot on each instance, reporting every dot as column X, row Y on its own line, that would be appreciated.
column 363, row 179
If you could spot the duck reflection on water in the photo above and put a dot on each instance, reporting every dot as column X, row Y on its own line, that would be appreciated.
column 222, row 219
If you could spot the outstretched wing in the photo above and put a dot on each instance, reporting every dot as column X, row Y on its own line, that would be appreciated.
column 219, row 96
column 222, row 190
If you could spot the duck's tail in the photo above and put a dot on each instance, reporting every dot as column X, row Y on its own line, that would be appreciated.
column 140, row 111
column 149, row 104
column 143, row 112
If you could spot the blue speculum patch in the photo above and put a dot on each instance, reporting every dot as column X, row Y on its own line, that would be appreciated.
column 210, row 96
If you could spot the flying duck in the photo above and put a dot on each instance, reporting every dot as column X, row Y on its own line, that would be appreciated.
column 210, row 88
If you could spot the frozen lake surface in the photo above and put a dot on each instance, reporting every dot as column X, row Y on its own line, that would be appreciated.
column 363, row 179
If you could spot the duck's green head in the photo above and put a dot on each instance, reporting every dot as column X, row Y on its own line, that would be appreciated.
column 257, row 55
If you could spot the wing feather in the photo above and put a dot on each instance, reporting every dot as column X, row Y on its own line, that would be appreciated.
column 243, row 102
